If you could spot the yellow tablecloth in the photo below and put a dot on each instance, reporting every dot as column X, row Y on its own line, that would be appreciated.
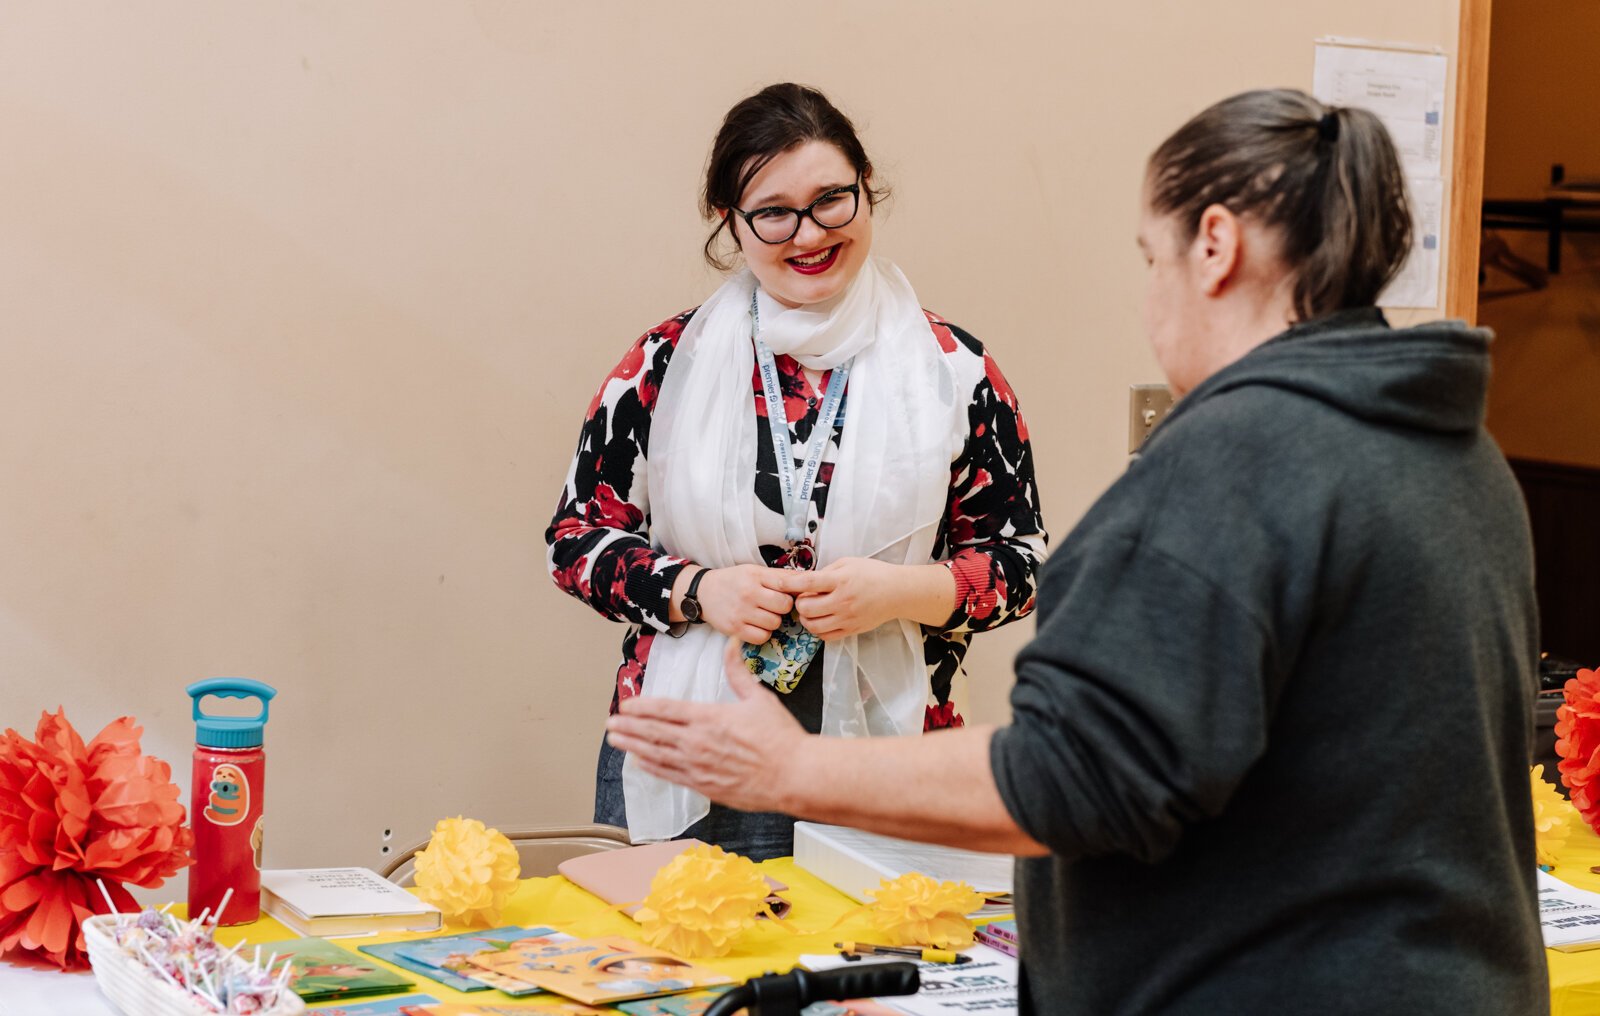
column 1575, row 977
column 812, row 926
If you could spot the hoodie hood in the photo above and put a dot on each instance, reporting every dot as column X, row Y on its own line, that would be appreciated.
column 1430, row 377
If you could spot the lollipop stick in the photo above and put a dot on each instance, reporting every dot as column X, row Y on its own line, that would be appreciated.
column 158, row 968
column 107, row 894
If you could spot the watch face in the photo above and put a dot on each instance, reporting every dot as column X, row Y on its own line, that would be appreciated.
column 691, row 609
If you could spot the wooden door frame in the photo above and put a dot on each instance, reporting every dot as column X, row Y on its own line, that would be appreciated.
column 1466, row 173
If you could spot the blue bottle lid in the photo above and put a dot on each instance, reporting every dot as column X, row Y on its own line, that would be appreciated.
column 230, row 731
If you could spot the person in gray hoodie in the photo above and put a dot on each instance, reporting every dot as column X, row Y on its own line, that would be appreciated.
column 1269, row 747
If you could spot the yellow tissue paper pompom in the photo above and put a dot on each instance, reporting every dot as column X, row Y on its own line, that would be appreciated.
column 1552, row 818
column 467, row 871
column 702, row 900
column 916, row 910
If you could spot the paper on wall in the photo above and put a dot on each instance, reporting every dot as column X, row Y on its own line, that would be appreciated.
column 1417, row 285
column 1405, row 88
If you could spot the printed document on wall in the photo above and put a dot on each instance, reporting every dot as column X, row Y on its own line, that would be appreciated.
column 1417, row 285
column 1406, row 89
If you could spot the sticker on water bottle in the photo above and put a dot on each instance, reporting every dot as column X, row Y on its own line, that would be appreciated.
column 255, row 841
column 230, row 795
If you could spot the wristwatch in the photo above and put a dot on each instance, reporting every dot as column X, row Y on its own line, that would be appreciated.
column 690, row 605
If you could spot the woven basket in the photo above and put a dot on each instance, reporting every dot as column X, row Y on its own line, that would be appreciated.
column 136, row 990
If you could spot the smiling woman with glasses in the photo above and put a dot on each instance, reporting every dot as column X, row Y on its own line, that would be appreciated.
column 808, row 466
column 835, row 209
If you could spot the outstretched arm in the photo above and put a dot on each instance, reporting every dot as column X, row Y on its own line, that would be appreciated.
column 752, row 754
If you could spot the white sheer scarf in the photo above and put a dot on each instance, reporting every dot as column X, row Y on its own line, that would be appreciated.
column 905, row 425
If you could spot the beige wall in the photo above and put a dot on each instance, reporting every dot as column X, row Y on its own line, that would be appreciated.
column 1544, row 89
column 303, row 304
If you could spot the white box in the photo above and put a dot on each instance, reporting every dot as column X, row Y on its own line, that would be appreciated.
column 853, row 861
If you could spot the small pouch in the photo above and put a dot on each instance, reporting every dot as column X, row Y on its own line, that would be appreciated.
column 782, row 660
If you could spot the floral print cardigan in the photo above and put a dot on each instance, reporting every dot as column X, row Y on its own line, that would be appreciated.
column 992, row 537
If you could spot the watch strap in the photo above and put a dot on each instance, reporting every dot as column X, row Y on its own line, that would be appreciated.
column 692, row 596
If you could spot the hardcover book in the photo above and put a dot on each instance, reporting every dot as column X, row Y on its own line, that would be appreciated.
column 343, row 901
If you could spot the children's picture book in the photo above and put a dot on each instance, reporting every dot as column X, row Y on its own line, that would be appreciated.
column 600, row 970
column 386, row 951
column 444, row 959
column 548, row 1004
column 324, row 971
column 693, row 1003
column 383, row 1007
column 343, row 901
column 1000, row 936
column 1006, row 929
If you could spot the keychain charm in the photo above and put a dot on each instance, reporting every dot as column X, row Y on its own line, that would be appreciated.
column 802, row 556
column 782, row 660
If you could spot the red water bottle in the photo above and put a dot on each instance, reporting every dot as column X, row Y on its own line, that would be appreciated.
column 225, row 802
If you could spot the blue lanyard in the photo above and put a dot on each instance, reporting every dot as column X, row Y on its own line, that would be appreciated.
column 795, row 505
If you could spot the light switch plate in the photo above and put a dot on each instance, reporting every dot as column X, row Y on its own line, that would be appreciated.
column 1147, row 405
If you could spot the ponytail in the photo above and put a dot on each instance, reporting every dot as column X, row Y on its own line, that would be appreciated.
column 1325, row 179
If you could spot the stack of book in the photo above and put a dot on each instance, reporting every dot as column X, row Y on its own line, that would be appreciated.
column 1001, row 936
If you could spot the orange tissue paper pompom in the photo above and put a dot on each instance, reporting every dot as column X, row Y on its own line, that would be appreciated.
column 72, row 814
column 1578, row 743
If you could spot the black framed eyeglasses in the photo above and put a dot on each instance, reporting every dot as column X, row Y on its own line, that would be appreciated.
column 831, row 210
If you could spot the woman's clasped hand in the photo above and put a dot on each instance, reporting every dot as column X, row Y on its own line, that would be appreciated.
column 747, row 601
column 850, row 596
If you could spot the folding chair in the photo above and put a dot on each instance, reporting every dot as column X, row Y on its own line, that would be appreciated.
column 540, row 849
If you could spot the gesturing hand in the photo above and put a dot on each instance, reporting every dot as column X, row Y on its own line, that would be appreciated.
column 736, row 753
column 746, row 601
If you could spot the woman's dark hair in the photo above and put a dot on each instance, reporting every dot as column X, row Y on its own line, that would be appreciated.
column 759, row 129
column 1327, row 179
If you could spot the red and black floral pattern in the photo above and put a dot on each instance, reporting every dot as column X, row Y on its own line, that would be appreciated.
column 992, row 538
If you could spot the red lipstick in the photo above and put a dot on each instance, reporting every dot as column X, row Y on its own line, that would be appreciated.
column 831, row 254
